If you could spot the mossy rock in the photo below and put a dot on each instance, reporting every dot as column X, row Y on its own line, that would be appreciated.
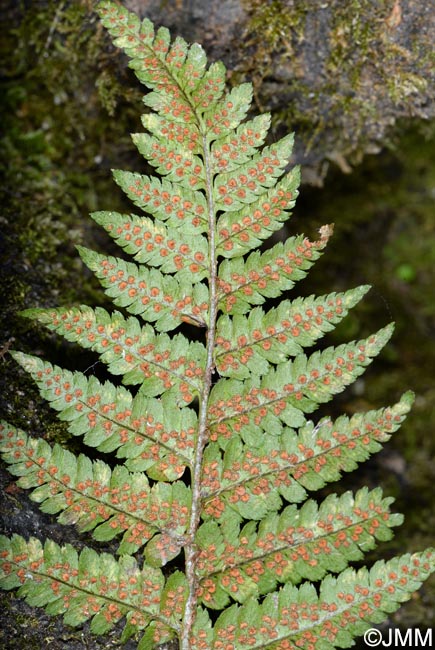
column 341, row 73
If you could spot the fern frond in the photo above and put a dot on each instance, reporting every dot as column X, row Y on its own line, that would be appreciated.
column 159, row 65
column 185, row 136
column 156, row 297
column 153, row 435
column 300, row 543
column 92, row 496
column 165, row 201
column 236, row 149
column 234, row 190
column 90, row 586
column 156, row 362
column 156, row 245
column 248, row 479
column 214, row 441
column 301, row 618
column 294, row 388
column 226, row 115
column 169, row 159
column 247, row 345
column 265, row 275
column 244, row 229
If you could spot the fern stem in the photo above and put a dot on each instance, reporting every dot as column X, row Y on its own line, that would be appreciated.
column 190, row 549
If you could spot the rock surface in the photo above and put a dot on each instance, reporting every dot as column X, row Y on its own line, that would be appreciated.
column 340, row 73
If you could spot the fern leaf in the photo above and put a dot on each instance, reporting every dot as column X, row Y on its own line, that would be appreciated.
column 214, row 442
column 176, row 164
column 156, row 245
column 298, row 544
column 158, row 363
column 156, row 297
column 87, row 586
column 233, row 190
column 236, row 149
column 227, row 114
column 207, row 86
column 294, row 388
column 152, row 436
column 247, row 345
column 265, row 275
column 186, row 137
column 165, row 201
column 158, row 63
column 92, row 496
column 246, row 228
column 249, row 479
column 189, row 89
column 299, row 617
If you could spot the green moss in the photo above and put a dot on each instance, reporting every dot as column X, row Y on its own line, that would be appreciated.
column 277, row 24
column 66, row 119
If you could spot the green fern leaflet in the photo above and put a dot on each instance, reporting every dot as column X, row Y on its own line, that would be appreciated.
column 209, row 497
